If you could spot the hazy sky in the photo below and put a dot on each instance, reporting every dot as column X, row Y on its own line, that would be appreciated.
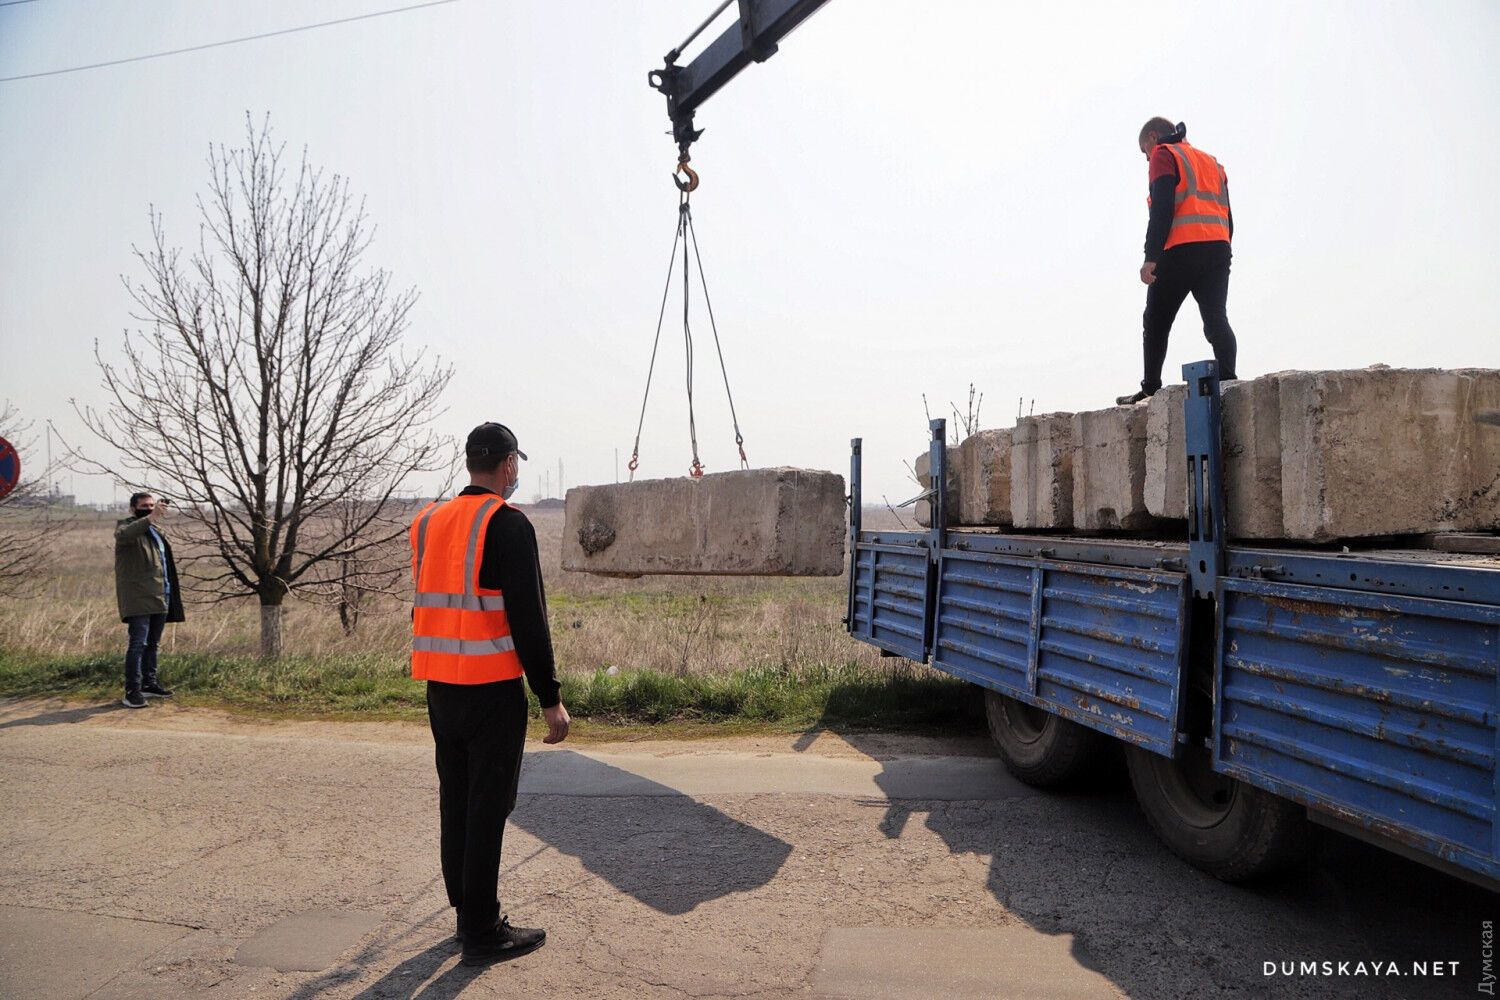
column 907, row 198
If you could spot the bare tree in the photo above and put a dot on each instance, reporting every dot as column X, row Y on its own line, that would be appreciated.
column 359, row 575
column 27, row 521
column 268, row 392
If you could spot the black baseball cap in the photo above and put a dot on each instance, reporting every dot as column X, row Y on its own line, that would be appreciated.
column 492, row 439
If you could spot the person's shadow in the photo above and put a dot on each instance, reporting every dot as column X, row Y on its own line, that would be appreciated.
column 62, row 716
column 664, row 848
column 412, row 979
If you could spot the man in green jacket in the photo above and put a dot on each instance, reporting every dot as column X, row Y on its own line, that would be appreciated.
column 148, row 594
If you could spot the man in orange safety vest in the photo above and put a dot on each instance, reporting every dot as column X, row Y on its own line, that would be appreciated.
column 479, row 623
column 1187, row 248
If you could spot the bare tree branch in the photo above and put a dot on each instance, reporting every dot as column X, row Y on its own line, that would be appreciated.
column 266, row 389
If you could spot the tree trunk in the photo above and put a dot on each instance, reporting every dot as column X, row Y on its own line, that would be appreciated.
column 270, row 631
column 348, row 612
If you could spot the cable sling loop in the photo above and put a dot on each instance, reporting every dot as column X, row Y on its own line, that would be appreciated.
column 685, row 233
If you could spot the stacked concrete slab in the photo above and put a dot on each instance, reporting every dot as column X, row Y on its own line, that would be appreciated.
column 761, row 522
column 984, row 478
column 1041, row 472
column 1109, row 470
column 1309, row 457
column 1252, row 457
column 1385, row 451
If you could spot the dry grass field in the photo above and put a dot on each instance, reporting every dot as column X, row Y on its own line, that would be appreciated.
column 766, row 647
column 672, row 624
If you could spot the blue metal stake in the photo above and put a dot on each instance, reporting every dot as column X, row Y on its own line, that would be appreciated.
column 937, row 459
column 856, row 508
column 1203, row 419
column 938, row 505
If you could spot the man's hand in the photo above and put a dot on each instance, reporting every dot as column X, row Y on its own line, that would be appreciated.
column 558, row 722
column 1148, row 272
column 158, row 511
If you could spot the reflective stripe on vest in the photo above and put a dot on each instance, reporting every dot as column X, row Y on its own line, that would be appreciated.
column 468, row 602
column 463, row 647
column 460, row 632
column 1200, row 212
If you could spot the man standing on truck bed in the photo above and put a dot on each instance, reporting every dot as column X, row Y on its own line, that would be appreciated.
column 1187, row 248
column 479, row 623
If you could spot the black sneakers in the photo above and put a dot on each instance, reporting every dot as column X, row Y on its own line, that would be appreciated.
column 134, row 699
column 504, row 944
column 1133, row 398
column 155, row 690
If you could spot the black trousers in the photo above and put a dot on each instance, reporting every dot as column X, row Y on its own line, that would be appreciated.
column 479, row 730
column 1201, row 269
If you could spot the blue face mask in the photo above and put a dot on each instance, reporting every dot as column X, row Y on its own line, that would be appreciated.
column 510, row 490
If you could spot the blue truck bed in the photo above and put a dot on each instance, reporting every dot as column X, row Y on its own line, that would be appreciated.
column 1361, row 685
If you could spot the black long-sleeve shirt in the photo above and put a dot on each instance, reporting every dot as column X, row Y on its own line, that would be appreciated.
column 512, row 565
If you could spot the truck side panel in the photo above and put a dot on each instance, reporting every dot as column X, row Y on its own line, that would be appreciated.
column 1099, row 645
column 1378, row 709
column 889, row 609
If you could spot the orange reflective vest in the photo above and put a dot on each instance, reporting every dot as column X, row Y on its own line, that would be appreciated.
column 1201, row 212
column 459, row 632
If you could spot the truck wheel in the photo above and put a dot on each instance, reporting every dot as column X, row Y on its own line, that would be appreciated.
column 1036, row 746
column 1231, row 830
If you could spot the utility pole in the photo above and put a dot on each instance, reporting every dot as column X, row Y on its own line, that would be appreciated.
column 560, row 488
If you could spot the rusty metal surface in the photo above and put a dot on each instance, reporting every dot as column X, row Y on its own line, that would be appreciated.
column 1102, row 646
column 1379, row 710
column 890, row 593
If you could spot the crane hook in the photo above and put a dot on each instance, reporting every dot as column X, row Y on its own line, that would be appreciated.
column 685, row 186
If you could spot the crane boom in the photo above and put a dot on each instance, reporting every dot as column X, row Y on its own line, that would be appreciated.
column 752, row 38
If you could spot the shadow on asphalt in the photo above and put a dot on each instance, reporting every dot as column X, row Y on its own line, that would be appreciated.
column 410, row 980
column 665, row 849
column 63, row 716
column 1077, row 858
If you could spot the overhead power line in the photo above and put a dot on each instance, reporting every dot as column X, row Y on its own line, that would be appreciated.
column 227, row 41
column 15, row 3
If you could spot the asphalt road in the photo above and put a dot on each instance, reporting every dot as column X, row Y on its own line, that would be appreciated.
column 177, row 853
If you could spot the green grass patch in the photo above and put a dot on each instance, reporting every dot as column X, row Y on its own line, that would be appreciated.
column 369, row 686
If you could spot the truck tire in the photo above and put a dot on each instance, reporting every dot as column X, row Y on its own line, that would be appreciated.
column 1038, row 747
column 1231, row 830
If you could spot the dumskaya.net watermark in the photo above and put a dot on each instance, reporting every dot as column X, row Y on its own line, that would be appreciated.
column 1483, row 971
column 1369, row 967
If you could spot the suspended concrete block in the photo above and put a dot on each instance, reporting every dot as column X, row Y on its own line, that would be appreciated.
column 1041, row 471
column 760, row 522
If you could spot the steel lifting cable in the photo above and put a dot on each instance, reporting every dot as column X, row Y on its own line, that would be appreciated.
column 684, row 213
column 684, row 234
column 739, row 439
column 635, row 452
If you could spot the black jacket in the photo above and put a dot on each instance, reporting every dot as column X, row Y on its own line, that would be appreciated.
column 512, row 565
